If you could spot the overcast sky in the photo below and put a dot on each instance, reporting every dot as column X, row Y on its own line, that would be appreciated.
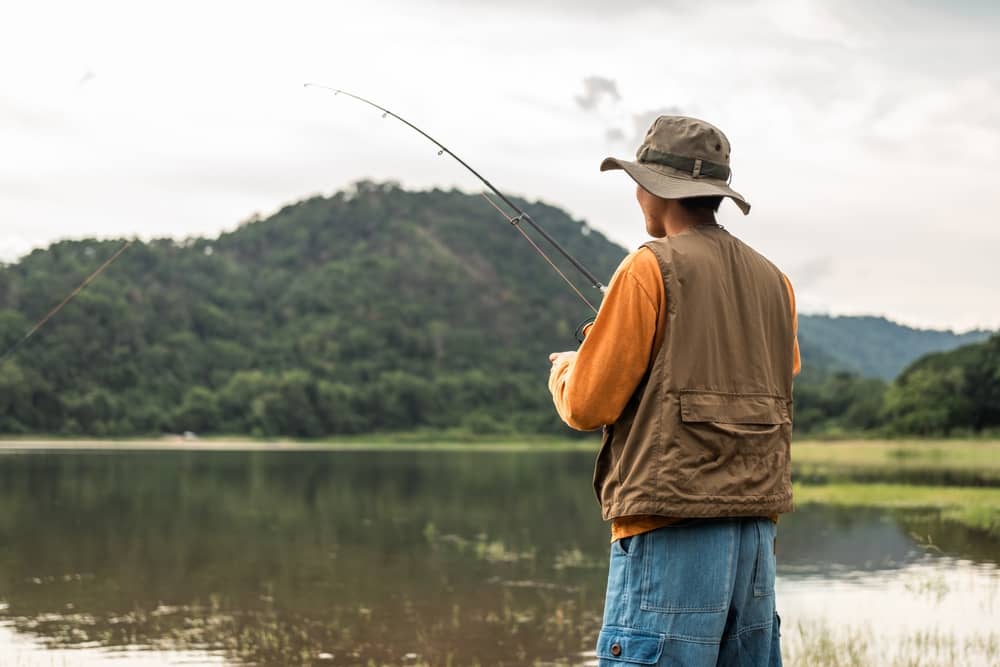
column 866, row 135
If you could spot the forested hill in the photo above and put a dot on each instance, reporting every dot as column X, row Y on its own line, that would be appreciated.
column 378, row 308
column 373, row 309
column 874, row 346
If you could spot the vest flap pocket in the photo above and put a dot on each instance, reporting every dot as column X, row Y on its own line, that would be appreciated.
column 629, row 646
column 705, row 406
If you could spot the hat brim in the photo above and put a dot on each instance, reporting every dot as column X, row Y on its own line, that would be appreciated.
column 673, row 186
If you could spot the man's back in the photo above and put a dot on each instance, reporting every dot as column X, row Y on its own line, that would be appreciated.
column 731, row 309
column 707, row 432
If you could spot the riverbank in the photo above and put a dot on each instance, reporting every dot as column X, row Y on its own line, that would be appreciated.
column 938, row 453
column 378, row 442
column 912, row 454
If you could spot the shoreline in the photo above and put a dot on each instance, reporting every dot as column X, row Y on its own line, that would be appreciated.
column 248, row 445
column 809, row 450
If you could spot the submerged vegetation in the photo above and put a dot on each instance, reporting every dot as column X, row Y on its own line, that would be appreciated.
column 929, row 462
column 977, row 508
column 947, row 480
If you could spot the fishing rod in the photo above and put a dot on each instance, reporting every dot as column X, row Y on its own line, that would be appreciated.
column 62, row 304
column 515, row 220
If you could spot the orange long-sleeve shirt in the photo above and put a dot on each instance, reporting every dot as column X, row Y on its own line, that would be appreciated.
column 591, row 387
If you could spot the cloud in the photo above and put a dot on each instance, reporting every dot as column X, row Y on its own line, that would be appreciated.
column 595, row 88
column 588, row 8
column 813, row 271
column 847, row 121
column 614, row 134
column 30, row 119
column 957, row 123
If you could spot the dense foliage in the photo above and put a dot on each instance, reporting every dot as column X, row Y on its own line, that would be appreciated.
column 373, row 309
column 948, row 392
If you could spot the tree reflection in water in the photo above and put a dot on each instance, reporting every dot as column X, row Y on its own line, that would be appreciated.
column 345, row 557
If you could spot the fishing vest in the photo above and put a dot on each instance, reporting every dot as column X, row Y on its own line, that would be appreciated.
column 708, row 431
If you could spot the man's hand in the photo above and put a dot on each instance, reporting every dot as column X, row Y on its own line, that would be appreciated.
column 556, row 357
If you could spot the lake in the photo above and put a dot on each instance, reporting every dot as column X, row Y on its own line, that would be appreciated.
column 419, row 558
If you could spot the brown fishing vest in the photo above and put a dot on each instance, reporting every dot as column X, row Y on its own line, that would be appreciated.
column 707, row 433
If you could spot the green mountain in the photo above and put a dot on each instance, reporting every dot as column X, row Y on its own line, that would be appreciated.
column 373, row 309
column 873, row 346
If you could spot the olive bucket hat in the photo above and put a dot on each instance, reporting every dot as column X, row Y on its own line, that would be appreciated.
column 682, row 157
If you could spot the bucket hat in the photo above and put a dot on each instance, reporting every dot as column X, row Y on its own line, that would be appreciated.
column 682, row 157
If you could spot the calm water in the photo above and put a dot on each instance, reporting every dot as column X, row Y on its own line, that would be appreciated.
column 355, row 558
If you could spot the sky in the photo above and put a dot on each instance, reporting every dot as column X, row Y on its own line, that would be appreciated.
column 865, row 135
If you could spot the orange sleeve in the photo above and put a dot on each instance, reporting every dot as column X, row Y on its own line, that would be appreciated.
column 591, row 388
column 796, row 358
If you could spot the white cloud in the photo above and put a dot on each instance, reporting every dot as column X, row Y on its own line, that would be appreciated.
column 595, row 90
column 865, row 134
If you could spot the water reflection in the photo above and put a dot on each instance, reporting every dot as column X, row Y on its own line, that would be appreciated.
column 350, row 557
column 939, row 611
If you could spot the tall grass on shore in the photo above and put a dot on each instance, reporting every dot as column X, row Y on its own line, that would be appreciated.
column 818, row 645
column 976, row 460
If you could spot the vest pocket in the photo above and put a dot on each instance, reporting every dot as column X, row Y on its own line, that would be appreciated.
column 723, row 408
column 732, row 445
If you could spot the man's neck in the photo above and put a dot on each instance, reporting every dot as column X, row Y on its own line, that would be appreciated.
column 679, row 219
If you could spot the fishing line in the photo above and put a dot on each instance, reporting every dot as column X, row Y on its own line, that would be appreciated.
column 515, row 222
column 521, row 215
column 79, row 288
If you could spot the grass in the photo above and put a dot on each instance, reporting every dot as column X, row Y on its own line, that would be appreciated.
column 955, row 455
column 976, row 507
column 877, row 462
column 818, row 645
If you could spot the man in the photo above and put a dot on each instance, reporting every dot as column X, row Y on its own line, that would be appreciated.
column 689, row 367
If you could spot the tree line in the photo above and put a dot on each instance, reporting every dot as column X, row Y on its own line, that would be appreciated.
column 375, row 309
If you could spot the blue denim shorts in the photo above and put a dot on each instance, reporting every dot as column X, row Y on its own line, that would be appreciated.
column 697, row 594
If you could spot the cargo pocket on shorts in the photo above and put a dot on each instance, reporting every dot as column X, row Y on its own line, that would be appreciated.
column 628, row 646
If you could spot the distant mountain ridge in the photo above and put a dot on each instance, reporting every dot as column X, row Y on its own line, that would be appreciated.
column 874, row 346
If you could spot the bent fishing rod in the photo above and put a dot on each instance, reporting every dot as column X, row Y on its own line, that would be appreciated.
column 62, row 304
column 519, row 214
column 514, row 220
